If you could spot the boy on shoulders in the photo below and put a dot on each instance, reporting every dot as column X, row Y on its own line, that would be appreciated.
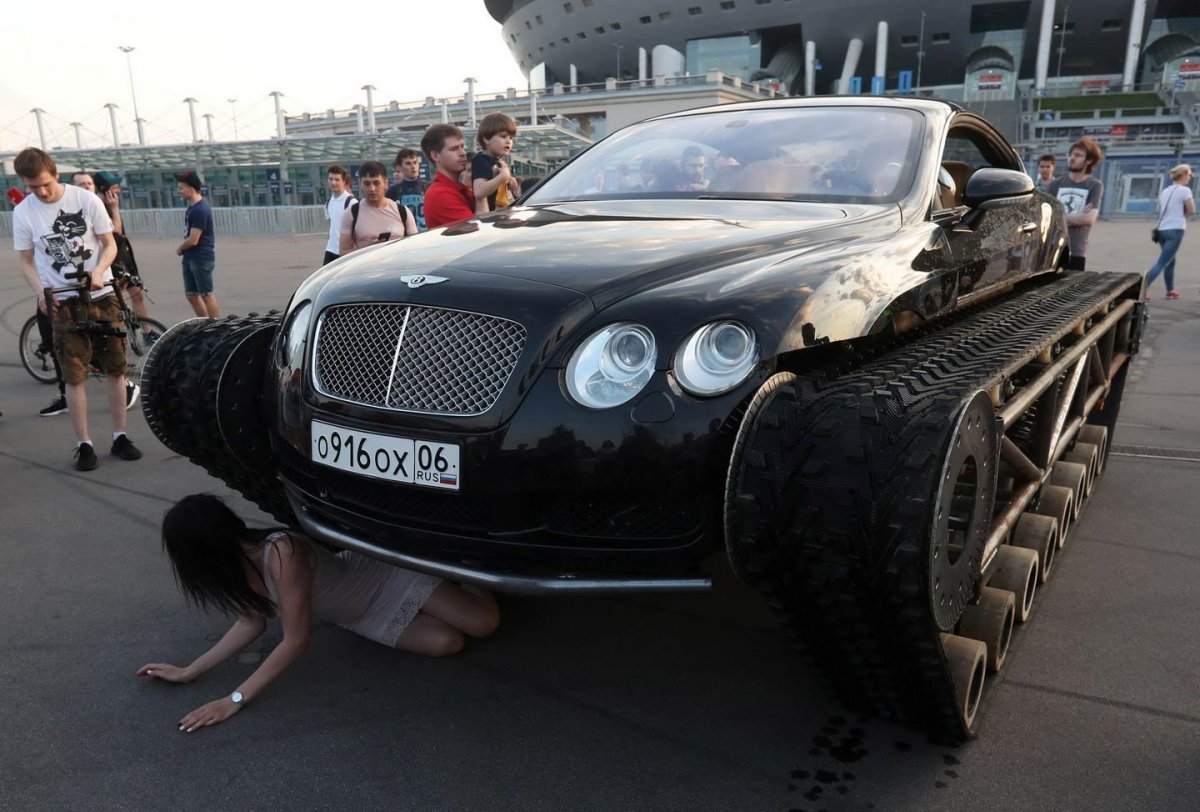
column 492, row 180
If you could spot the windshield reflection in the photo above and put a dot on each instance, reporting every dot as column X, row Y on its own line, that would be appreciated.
column 823, row 154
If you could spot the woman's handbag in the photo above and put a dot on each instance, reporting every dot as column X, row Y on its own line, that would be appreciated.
column 1155, row 234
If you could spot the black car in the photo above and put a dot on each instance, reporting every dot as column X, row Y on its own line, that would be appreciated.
column 573, row 394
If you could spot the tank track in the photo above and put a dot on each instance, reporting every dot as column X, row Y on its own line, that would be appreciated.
column 202, row 396
column 834, row 486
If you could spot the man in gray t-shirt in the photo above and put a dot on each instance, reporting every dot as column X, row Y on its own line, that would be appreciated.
column 1081, row 195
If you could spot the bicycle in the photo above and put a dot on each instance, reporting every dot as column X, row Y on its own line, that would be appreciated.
column 38, row 359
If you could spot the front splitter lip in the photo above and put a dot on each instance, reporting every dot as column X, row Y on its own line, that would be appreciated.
column 322, row 530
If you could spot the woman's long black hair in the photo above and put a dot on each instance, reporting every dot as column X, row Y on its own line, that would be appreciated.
column 204, row 538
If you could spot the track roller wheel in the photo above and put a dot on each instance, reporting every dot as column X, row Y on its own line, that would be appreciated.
column 1016, row 569
column 990, row 621
column 967, row 661
column 1089, row 455
column 1077, row 478
column 1097, row 436
column 1056, row 501
column 1040, row 534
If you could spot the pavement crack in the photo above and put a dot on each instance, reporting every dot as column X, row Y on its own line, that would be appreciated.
column 1112, row 703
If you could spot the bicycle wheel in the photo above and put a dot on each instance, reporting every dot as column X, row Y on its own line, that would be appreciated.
column 35, row 356
column 136, row 348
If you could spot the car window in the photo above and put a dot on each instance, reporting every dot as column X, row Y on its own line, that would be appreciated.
column 852, row 154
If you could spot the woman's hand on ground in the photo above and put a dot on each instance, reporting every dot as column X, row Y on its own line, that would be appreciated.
column 210, row 714
column 165, row 671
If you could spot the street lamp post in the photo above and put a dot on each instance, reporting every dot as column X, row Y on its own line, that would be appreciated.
column 921, row 48
column 137, row 118
column 233, row 107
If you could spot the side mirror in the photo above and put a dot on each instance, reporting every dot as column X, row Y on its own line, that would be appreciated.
column 991, row 188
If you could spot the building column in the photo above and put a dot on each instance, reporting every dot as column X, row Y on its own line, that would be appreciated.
column 643, row 71
column 1133, row 49
column 1045, row 35
column 881, row 49
column 810, row 70
column 853, row 52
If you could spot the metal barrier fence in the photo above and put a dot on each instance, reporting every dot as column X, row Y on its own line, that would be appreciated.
column 242, row 221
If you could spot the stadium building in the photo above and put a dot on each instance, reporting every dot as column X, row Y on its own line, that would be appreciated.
column 1125, row 72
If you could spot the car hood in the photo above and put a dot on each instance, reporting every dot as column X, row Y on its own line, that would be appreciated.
column 608, row 250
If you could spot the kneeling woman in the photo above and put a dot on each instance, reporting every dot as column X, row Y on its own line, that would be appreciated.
column 256, row 574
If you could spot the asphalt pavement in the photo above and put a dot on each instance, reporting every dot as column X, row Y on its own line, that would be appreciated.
column 636, row 703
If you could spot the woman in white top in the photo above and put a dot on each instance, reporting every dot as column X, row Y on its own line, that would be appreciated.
column 256, row 574
column 1175, row 205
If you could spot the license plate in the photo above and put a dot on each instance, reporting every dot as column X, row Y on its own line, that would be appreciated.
column 382, row 456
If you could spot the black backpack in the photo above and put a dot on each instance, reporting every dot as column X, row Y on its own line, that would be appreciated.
column 354, row 216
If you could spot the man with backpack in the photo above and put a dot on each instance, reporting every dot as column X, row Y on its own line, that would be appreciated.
column 340, row 199
column 374, row 218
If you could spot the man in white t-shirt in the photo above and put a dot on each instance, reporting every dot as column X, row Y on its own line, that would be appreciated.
column 60, row 230
column 340, row 199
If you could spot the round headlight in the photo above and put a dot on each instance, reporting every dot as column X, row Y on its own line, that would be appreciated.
column 716, row 358
column 612, row 366
column 294, row 335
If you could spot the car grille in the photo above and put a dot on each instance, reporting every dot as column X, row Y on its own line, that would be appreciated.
column 415, row 359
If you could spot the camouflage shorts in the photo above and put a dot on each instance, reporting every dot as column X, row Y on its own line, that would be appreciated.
column 78, row 352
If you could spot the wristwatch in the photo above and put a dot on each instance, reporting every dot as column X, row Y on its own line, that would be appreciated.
column 237, row 698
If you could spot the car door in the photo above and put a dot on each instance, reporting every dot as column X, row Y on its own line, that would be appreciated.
column 986, row 247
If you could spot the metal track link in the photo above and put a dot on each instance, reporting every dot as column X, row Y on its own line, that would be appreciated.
column 834, row 488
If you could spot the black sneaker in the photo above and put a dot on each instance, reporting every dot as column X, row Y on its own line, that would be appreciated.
column 125, row 449
column 132, row 390
column 85, row 457
column 57, row 406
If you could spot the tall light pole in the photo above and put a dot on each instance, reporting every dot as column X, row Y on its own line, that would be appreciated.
column 1062, row 42
column 921, row 48
column 137, row 118
column 233, row 107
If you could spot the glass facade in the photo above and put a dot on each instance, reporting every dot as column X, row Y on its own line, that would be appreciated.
column 737, row 55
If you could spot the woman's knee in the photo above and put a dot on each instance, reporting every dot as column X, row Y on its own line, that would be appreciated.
column 445, row 643
column 485, row 620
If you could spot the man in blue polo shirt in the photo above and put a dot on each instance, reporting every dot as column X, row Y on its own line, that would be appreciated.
column 198, row 248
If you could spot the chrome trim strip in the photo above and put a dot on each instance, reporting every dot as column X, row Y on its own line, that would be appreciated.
column 387, row 396
column 500, row 582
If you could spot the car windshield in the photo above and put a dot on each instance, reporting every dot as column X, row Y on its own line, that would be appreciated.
column 822, row 154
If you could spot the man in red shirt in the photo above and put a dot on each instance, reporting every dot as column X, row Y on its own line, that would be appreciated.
column 446, row 200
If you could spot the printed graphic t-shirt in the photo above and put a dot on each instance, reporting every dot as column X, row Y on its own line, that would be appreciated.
column 63, row 237
column 411, row 194
column 199, row 215
column 1075, row 197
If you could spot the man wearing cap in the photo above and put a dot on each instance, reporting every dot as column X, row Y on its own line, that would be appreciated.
column 198, row 248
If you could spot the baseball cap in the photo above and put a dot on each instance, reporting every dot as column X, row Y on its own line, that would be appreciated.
column 190, row 177
column 106, row 179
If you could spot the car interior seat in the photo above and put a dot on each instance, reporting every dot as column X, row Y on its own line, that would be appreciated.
column 961, row 172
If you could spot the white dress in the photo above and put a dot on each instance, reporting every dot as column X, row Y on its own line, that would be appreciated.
column 366, row 596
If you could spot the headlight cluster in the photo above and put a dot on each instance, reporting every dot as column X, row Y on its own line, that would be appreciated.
column 295, row 331
column 617, row 362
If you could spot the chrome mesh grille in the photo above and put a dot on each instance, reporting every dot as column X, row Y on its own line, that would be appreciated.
column 416, row 359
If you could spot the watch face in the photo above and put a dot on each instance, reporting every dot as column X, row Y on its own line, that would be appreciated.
column 236, row 696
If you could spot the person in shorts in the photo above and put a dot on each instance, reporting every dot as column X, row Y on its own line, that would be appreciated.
column 199, row 247
column 62, row 231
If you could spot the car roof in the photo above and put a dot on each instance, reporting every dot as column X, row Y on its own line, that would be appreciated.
column 922, row 104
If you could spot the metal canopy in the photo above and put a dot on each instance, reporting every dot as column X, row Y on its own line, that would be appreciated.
column 543, row 144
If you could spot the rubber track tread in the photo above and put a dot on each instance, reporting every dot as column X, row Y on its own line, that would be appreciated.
column 832, row 504
column 180, row 403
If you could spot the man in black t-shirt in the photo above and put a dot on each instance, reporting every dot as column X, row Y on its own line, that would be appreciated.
column 409, row 189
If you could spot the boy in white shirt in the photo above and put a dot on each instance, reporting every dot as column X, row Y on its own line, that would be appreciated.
column 340, row 199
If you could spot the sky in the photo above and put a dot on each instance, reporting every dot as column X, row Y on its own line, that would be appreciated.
column 318, row 54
